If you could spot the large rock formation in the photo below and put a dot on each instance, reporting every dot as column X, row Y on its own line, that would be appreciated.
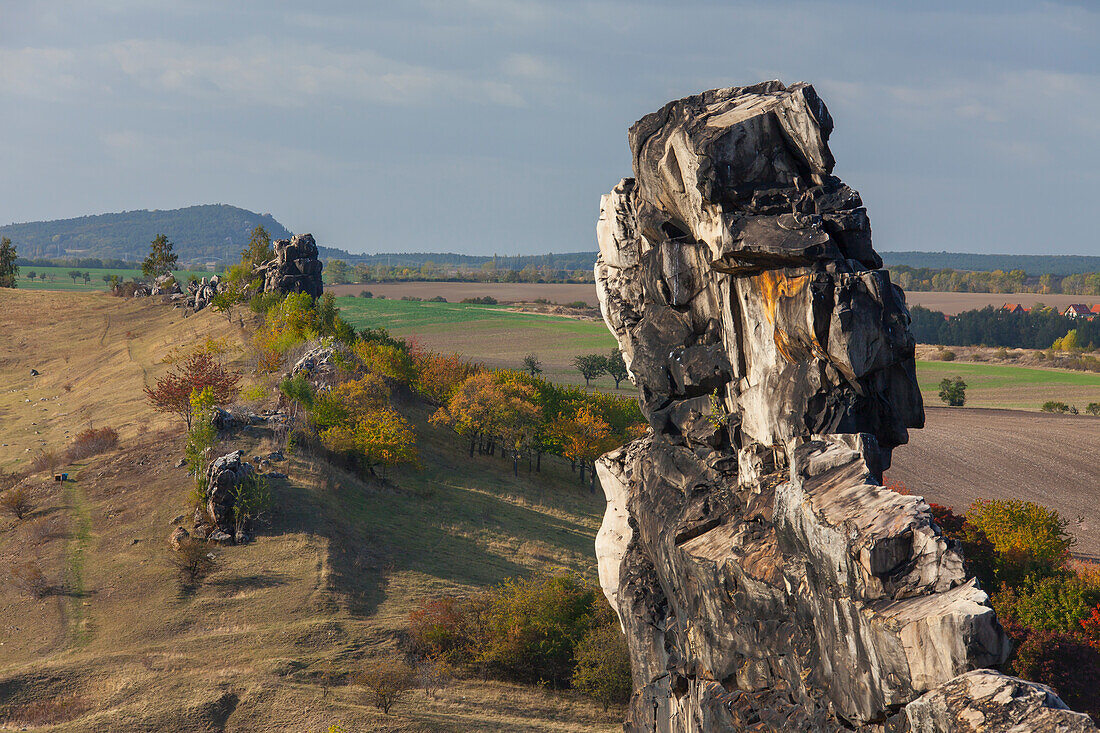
column 764, row 578
column 295, row 268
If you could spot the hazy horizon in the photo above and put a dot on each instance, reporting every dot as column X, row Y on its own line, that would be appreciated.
column 482, row 126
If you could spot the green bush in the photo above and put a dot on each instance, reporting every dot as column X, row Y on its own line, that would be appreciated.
column 1093, row 408
column 532, row 626
column 953, row 391
column 603, row 666
column 525, row 630
column 1054, row 603
column 1055, row 406
column 947, row 355
column 1030, row 540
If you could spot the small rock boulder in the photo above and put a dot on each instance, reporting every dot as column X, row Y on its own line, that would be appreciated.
column 179, row 534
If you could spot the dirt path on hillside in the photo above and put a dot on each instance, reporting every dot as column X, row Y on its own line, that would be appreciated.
column 964, row 454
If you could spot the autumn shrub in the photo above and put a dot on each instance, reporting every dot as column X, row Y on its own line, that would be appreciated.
column 46, row 460
column 1090, row 627
column 201, row 437
column 440, row 628
column 433, row 675
column 386, row 682
column 438, row 376
column 192, row 560
column 28, row 578
column 602, row 670
column 16, row 502
column 532, row 626
column 172, row 392
column 1064, row 661
column 547, row 629
column 979, row 554
column 1030, row 540
column 92, row 442
column 1053, row 603
column 254, row 393
column 387, row 360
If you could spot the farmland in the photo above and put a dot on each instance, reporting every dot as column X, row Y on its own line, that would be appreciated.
column 492, row 335
column 949, row 303
column 964, row 454
column 499, row 337
column 997, row 386
column 57, row 278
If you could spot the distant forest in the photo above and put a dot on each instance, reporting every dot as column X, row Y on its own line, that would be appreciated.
column 213, row 232
column 218, row 232
column 1031, row 264
column 1036, row 329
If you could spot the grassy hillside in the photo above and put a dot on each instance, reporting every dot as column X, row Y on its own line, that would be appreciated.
column 266, row 641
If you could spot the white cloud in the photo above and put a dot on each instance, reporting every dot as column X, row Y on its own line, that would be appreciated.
column 253, row 72
column 44, row 74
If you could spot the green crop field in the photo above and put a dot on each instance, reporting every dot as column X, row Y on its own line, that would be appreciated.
column 57, row 278
column 499, row 337
column 489, row 334
column 1024, row 388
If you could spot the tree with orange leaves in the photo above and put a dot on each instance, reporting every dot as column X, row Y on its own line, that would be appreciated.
column 518, row 417
column 489, row 406
column 172, row 392
column 584, row 436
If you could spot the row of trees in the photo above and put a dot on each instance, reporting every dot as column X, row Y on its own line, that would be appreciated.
column 997, row 281
column 9, row 271
column 340, row 272
column 1036, row 329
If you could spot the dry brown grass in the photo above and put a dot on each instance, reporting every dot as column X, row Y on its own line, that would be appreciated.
column 91, row 442
column 324, row 589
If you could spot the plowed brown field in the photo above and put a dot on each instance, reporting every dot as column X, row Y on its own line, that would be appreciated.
column 964, row 454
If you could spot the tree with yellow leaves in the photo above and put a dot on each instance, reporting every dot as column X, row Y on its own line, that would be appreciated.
column 584, row 436
column 355, row 418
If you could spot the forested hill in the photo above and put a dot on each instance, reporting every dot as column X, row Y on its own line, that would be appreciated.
column 1031, row 264
column 211, row 232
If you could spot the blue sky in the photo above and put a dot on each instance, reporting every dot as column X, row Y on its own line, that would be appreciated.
column 486, row 126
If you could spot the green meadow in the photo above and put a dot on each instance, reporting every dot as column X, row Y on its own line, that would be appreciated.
column 57, row 278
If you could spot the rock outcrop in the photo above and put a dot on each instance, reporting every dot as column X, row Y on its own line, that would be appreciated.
column 764, row 578
column 295, row 268
column 223, row 477
column 200, row 292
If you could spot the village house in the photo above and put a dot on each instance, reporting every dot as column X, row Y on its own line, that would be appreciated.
column 1079, row 310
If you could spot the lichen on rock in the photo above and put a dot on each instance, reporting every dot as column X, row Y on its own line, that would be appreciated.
column 764, row 577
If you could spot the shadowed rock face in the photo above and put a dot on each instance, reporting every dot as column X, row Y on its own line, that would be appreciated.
column 762, row 574
column 295, row 268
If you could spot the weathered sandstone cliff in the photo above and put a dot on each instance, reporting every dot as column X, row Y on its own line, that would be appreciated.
column 764, row 578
